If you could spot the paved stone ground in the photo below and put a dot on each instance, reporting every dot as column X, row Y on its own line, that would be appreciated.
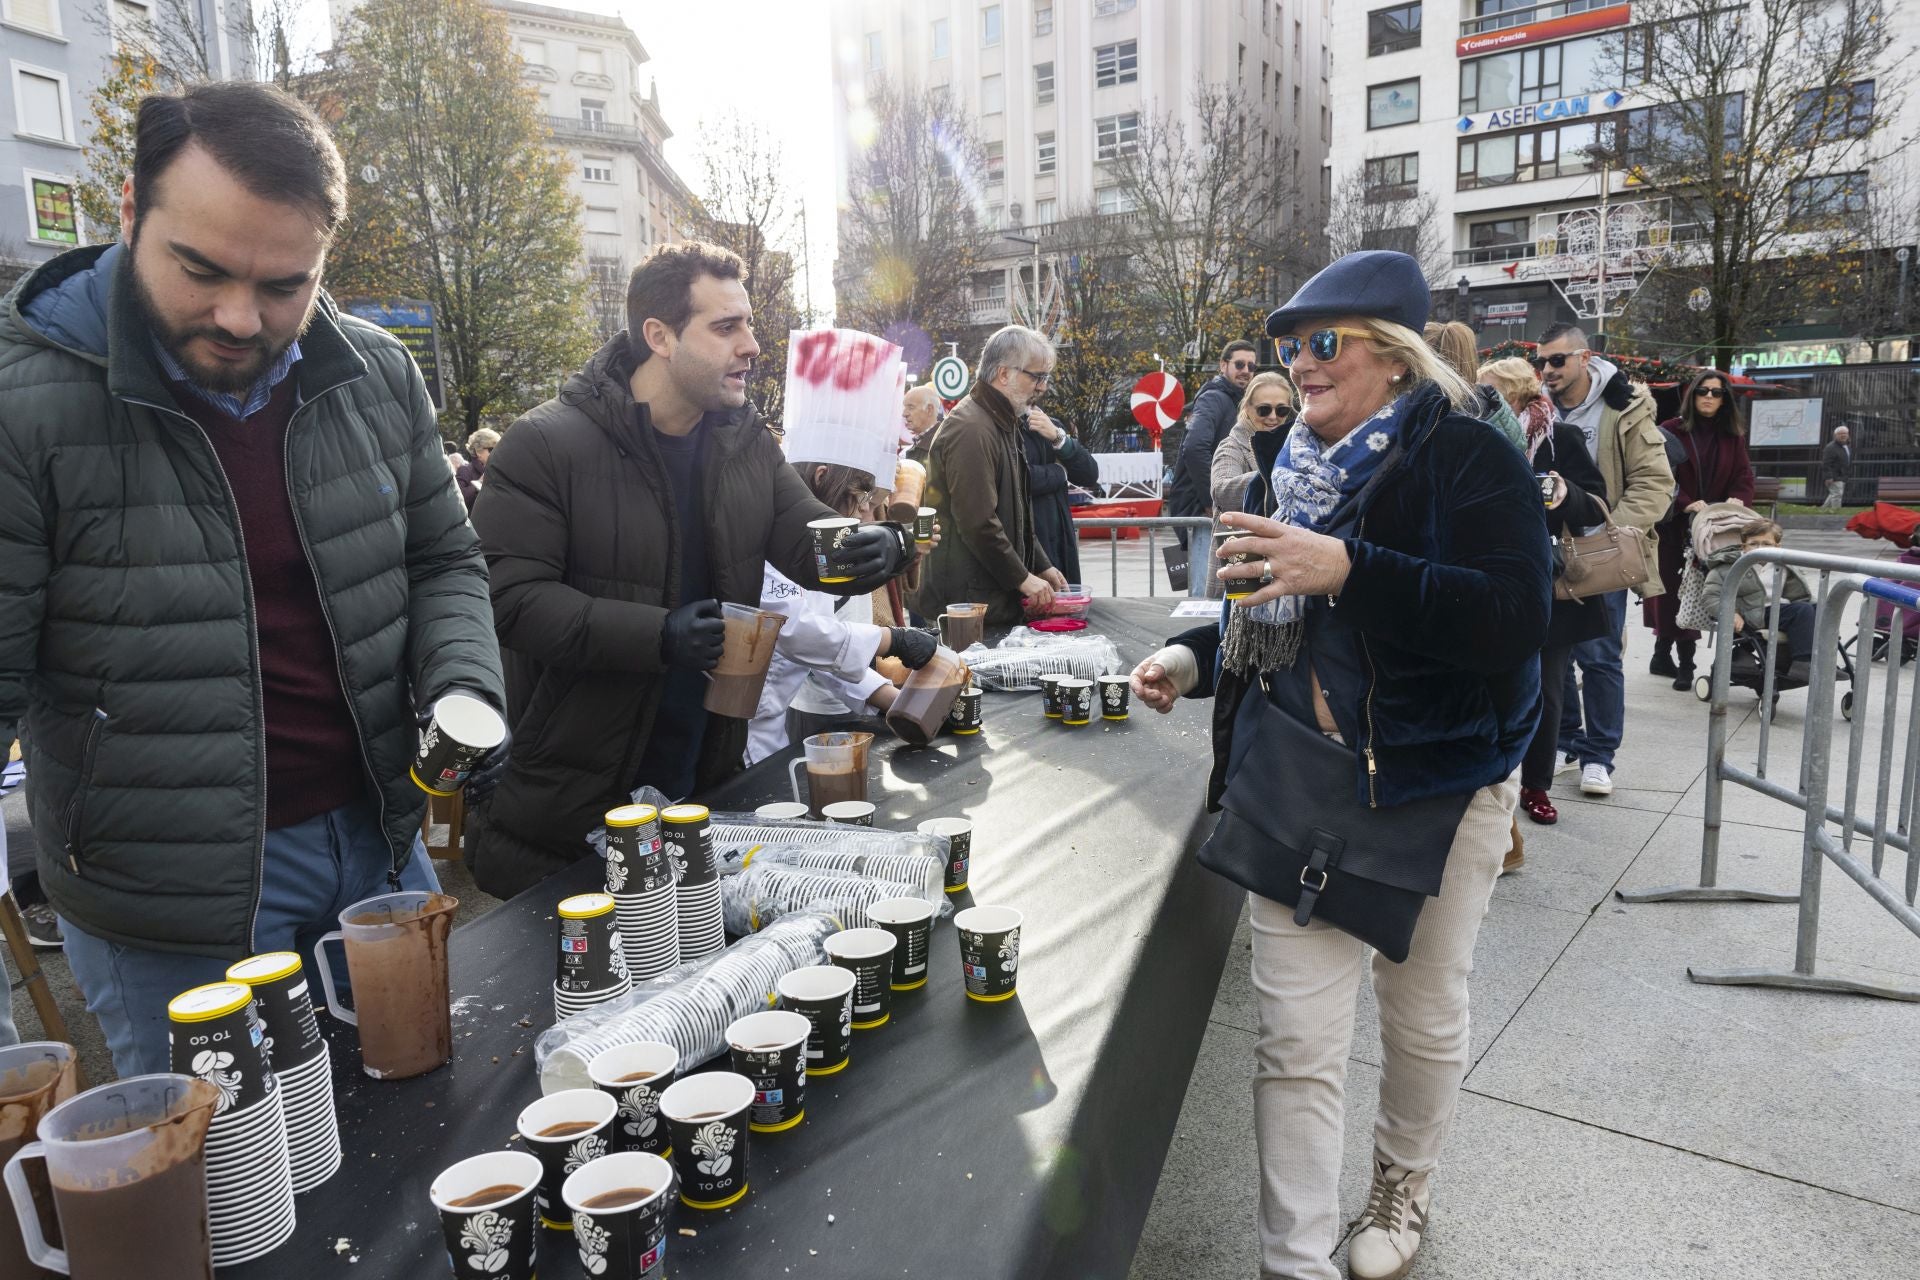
column 1620, row 1121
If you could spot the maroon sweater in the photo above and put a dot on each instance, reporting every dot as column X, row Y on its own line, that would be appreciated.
column 313, row 750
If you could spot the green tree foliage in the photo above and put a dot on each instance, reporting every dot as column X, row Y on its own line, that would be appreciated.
column 457, row 200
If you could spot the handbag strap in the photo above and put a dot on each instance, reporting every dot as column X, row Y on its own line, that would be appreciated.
column 1323, row 855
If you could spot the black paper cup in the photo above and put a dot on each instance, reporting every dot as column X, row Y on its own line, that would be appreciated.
column 620, row 1233
column 783, row 811
column 637, row 859
column 823, row 995
column 708, row 1117
column 989, row 951
column 1236, row 588
column 868, row 955
column 959, row 834
column 770, row 1049
column 923, row 524
column 285, row 1007
column 1076, row 700
column 1050, row 700
column 490, row 1237
column 829, row 547
column 688, row 829
column 462, row 730
column 636, row 1075
column 592, row 958
column 1113, row 697
column 850, row 813
column 910, row 921
column 215, row 1035
column 965, row 716
column 562, row 1153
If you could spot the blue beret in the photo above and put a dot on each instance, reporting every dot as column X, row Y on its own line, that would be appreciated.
column 1377, row 283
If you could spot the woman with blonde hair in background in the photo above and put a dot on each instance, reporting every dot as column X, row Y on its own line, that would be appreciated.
column 1267, row 405
column 1453, row 343
column 1520, row 387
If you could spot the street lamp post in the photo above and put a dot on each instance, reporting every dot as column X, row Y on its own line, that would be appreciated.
column 1460, row 301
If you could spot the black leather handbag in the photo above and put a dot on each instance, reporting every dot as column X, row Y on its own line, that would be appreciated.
column 1293, row 830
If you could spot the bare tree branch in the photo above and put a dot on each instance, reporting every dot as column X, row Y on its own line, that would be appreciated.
column 1369, row 216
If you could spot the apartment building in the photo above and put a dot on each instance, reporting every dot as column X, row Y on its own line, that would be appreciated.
column 54, row 54
column 1491, row 107
column 1058, row 88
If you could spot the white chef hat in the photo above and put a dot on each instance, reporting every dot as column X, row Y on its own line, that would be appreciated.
column 843, row 400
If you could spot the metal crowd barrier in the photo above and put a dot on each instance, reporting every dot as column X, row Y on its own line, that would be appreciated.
column 1889, row 824
column 1202, row 525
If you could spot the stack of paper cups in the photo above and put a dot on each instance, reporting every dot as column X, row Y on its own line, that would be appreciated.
column 216, row 1037
column 300, row 1062
column 640, row 877
column 592, row 965
column 687, row 828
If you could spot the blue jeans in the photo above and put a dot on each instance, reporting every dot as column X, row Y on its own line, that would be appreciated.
column 312, row 872
column 1602, row 689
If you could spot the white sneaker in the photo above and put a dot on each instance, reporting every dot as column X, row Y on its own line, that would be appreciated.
column 1596, row 780
column 1391, row 1228
column 1566, row 764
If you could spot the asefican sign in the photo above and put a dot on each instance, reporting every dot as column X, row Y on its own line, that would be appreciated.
column 1573, row 24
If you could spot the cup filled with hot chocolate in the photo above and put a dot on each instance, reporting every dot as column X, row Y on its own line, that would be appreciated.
column 565, row 1130
column 489, row 1214
column 620, row 1204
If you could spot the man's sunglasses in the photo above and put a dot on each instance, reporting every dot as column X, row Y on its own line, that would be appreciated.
column 1322, row 344
column 1557, row 360
column 1283, row 412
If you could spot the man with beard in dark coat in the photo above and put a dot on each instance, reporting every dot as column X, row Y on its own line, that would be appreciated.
column 1208, row 422
column 1055, row 461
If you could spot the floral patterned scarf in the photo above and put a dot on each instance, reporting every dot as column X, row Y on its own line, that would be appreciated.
column 1311, row 480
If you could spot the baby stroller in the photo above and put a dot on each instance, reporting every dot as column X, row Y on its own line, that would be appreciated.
column 1716, row 535
column 1897, row 525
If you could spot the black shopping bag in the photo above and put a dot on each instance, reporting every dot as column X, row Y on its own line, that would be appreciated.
column 1176, row 558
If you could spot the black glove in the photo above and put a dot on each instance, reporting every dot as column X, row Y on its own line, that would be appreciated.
column 693, row 636
column 874, row 554
column 913, row 647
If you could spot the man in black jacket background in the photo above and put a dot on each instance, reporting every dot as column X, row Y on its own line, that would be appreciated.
column 1208, row 422
column 1056, row 461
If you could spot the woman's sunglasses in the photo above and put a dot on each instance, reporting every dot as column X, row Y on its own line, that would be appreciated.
column 1718, row 393
column 1280, row 411
column 1322, row 344
column 1558, row 360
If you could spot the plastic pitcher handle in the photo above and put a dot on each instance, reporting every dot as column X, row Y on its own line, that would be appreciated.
column 793, row 777
column 325, row 966
column 39, row 1252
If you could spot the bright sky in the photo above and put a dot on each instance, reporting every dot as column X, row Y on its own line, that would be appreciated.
column 769, row 61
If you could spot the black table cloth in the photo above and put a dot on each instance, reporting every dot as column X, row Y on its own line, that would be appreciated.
column 965, row 1139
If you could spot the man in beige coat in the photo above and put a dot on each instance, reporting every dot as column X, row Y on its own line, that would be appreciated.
column 1617, row 418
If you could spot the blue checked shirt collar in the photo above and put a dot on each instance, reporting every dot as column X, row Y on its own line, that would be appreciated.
column 233, row 404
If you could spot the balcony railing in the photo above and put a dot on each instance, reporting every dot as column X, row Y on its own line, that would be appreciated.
column 595, row 129
column 1520, row 17
column 988, row 310
column 1493, row 253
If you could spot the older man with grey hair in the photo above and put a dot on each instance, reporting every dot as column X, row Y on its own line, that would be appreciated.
column 977, row 481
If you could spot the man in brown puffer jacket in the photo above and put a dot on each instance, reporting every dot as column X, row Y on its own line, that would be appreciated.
column 615, row 519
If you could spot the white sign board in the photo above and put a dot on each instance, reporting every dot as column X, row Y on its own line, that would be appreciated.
column 1777, row 422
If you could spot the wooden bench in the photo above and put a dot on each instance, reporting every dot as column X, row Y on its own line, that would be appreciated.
column 1766, row 493
column 1898, row 489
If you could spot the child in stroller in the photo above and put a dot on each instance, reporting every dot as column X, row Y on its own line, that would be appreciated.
column 1790, row 650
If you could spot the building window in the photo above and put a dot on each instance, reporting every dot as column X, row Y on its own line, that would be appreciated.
column 1500, row 232
column 990, row 26
column 40, row 103
column 1674, row 134
column 1296, row 104
column 1043, row 153
column 1828, row 200
column 52, row 209
column 37, row 15
column 1120, row 63
column 1829, row 115
column 1107, row 8
column 603, row 222
column 534, row 52
column 990, row 288
column 996, row 162
column 1266, row 24
column 993, row 95
column 942, row 38
column 1264, row 86
column 876, row 51
column 593, row 114
column 1542, row 74
column 1388, row 178
column 1391, row 30
column 1108, row 200
column 1043, row 82
column 1115, row 136
column 1529, row 155
column 1043, row 20
column 593, row 62
column 597, row 169
column 1046, row 210
column 1392, row 104
column 1326, row 124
